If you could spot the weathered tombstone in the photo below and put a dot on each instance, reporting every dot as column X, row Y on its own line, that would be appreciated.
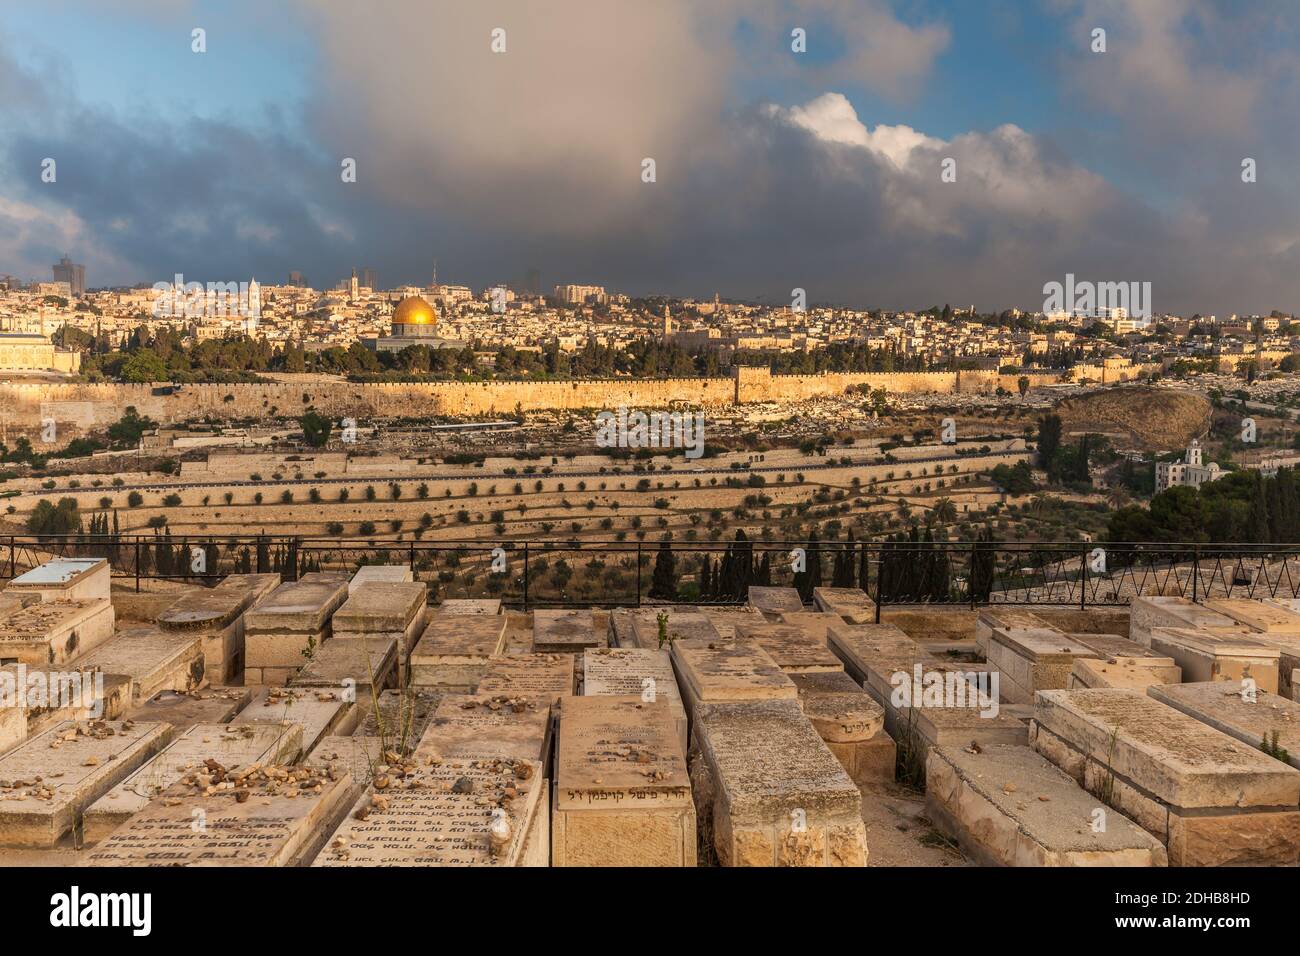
column 358, row 755
column 153, row 659
column 1209, row 798
column 772, row 792
column 1253, row 719
column 269, row 816
column 290, row 621
column 357, row 668
column 1203, row 656
column 454, row 651
column 635, row 672
column 550, row 676
column 851, row 724
column 557, row 631
column 45, row 696
column 490, row 727
column 816, row 624
column 795, row 649
column 216, row 615
column 54, row 632
column 1006, row 805
column 1146, row 613
column 190, row 751
column 455, row 813
column 211, row 705
column 462, row 606
column 65, row 579
column 937, row 703
column 725, row 619
column 727, row 670
column 679, row 625
column 380, row 574
column 400, row 715
column 383, row 610
column 49, row 780
column 1004, row 617
column 319, row 711
column 1275, row 622
column 857, row 646
column 622, row 792
column 1131, row 673
column 851, row 604
column 1032, row 659
column 1112, row 647
column 770, row 602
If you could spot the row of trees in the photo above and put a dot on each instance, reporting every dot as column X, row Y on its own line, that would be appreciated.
column 1242, row 507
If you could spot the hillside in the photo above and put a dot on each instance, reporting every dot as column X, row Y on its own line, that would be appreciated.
column 1149, row 418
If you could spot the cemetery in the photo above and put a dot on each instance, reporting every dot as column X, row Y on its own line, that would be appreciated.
column 336, row 721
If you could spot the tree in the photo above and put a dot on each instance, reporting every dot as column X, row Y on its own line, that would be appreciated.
column 315, row 429
column 143, row 367
column 663, row 583
column 62, row 518
column 127, row 431
column 1049, row 442
column 944, row 510
column 1022, row 384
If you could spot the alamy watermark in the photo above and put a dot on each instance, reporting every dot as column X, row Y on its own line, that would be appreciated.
column 53, row 690
column 194, row 300
column 1099, row 299
column 946, row 689
column 624, row 429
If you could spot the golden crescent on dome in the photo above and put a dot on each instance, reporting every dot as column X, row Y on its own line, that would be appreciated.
column 413, row 310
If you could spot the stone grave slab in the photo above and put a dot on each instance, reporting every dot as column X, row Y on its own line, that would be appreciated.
column 851, row 724
column 1146, row 613
column 320, row 712
column 456, row 813
column 991, row 617
column 622, row 791
column 382, row 608
column 45, row 696
column 232, row 748
column 47, row 782
column 816, row 624
column 558, row 631
column 682, row 625
column 770, row 602
column 400, row 715
column 1008, row 806
column 796, row 649
column 1276, row 632
column 380, row 574
column 289, row 622
column 725, row 619
column 1032, row 659
column 549, row 676
column 154, row 660
column 363, row 666
column 1112, row 647
column 487, row 726
column 851, row 604
column 488, row 606
column 859, row 645
column 1131, row 673
column 1206, row 656
column 1262, row 617
column 217, row 615
column 769, row 792
column 957, row 706
column 54, row 632
column 635, row 672
column 210, row 705
column 1209, row 798
column 1251, row 721
column 271, row 816
column 727, row 670
column 358, row 755
column 65, row 579
column 454, row 651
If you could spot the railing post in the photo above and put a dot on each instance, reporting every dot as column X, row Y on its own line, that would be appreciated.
column 13, row 556
column 1196, row 570
column 638, row 574
column 137, row 564
column 970, row 578
column 291, row 562
column 412, row 559
column 526, row 572
column 880, row 594
column 1083, row 581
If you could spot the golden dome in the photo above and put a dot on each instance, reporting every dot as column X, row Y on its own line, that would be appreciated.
column 413, row 310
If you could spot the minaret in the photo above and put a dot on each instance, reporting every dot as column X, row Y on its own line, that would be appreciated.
column 352, row 287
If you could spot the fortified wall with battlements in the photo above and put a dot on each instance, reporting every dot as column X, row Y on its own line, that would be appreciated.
column 79, row 408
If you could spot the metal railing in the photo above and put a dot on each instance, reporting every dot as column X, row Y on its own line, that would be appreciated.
column 630, row 573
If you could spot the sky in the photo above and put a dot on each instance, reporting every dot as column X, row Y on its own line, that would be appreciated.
column 774, row 170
